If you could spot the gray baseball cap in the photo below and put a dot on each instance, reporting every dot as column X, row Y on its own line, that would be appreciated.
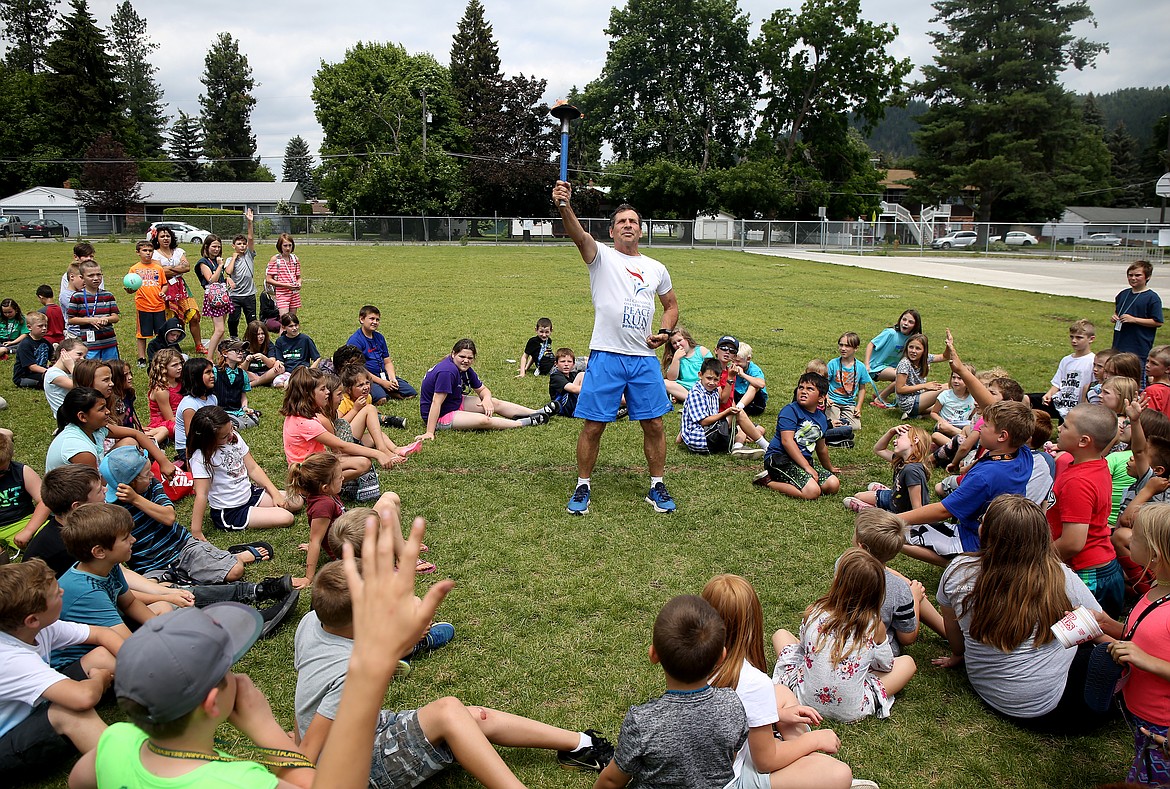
column 171, row 663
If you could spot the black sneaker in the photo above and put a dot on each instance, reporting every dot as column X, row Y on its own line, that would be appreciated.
column 538, row 418
column 592, row 758
column 279, row 611
column 274, row 588
column 623, row 412
column 397, row 422
column 141, row 364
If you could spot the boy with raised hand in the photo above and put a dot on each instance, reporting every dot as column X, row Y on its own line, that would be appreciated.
column 1079, row 517
column 800, row 431
column 95, row 311
column 1073, row 374
column 94, row 590
column 176, row 685
column 1005, row 467
column 413, row 745
column 45, row 715
column 689, row 736
column 242, row 268
column 372, row 344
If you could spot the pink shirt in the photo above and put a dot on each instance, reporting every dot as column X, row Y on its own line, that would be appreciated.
column 300, row 438
column 1146, row 694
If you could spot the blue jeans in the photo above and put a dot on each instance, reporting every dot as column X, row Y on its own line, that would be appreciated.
column 379, row 392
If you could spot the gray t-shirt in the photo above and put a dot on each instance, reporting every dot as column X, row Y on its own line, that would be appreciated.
column 321, row 660
column 898, row 609
column 683, row 739
column 1028, row 681
column 242, row 274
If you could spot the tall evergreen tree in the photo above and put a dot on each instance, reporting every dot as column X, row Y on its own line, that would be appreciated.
column 298, row 166
column 185, row 142
column 999, row 120
column 25, row 132
column 1091, row 113
column 508, row 125
column 227, row 112
column 1126, row 166
column 26, row 24
column 89, row 102
column 135, row 75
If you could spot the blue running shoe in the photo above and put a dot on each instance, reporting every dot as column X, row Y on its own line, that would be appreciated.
column 579, row 503
column 659, row 499
column 439, row 635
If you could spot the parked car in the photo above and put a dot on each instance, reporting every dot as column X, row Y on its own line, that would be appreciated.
column 184, row 233
column 1102, row 240
column 43, row 227
column 958, row 240
column 9, row 224
column 1019, row 238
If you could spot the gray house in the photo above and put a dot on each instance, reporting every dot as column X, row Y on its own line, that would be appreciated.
column 64, row 205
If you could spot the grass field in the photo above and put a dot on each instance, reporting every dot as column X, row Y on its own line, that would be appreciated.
column 553, row 613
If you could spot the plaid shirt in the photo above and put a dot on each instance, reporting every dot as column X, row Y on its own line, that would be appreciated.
column 699, row 405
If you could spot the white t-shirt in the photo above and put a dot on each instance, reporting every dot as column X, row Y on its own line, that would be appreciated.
column 624, row 288
column 175, row 259
column 758, row 694
column 53, row 393
column 230, row 485
column 1072, row 375
column 26, row 673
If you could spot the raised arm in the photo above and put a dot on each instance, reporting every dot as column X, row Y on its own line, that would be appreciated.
column 562, row 195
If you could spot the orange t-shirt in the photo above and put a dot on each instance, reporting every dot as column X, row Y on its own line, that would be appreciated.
column 149, row 298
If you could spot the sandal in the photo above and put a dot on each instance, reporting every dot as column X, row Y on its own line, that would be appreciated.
column 423, row 567
column 254, row 548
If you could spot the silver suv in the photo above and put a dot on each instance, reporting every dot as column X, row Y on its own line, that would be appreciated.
column 957, row 240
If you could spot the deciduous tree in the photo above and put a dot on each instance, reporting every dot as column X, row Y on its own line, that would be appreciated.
column 370, row 106
column 679, row 82
column 999, row 121
column 109, row 180
column 227, row 112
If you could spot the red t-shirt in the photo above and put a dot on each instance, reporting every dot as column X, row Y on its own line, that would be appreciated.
column 1159, row 397
column 725, row 381
column 56, row 331
column 1084, row 494
column 1146, row 694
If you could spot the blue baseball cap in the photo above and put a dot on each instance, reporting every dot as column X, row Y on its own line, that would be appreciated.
column 119, row 467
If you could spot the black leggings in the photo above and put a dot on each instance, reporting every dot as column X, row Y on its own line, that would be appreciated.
column 246, row 305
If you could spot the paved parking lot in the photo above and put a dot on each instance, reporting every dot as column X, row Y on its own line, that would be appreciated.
column 1095, row 280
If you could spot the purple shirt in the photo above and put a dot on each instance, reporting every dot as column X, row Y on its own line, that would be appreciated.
column 445, row 378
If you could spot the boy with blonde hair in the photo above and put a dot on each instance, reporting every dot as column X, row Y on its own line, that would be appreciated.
column 32, row 355
column 1073, row 374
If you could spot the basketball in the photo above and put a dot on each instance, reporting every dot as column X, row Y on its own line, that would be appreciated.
column 132, row 282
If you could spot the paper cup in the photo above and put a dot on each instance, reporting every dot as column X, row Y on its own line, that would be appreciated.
column 1078, row 626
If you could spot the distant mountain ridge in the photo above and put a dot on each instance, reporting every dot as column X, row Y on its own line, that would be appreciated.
column 1138, row 108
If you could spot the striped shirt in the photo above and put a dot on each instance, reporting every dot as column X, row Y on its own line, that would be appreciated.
column 84, row 304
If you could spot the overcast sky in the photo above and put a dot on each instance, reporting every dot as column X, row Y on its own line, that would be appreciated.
column 561, row 41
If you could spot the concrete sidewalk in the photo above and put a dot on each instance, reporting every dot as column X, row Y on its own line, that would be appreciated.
column 1086, row 279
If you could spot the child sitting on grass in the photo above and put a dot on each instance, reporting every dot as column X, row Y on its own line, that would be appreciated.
column 911, row 478
column 411, row 746
column 690, row 735
column 538, row 352
column 49, row 715
column 232, row 384
column 165, row 391
column 1157, row 390
column 916, row 395
column 842, row 665
column 565, row 381
column 176, row 705
column 904, row 606
column 1079, row 517
column 95, row 590
column 751, row 388
column 706, row 429
column 20, row 493
column 952, row 410
column 800, row 431
column 847, row 381
column 317, row 480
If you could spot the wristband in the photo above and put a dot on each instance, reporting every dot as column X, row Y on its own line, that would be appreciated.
column 666, row 331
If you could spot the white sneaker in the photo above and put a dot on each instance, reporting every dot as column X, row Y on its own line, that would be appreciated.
column 862, row 783
column 752, row 452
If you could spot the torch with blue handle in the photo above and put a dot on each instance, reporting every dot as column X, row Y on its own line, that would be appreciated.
column 565, row 112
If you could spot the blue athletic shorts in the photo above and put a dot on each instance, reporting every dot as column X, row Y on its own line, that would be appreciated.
column 611, row 375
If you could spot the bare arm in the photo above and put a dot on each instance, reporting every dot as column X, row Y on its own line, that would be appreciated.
column 611, row 777
column 562, row 198
column 954, row 638
column 975, row 387
column 1073, row 537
